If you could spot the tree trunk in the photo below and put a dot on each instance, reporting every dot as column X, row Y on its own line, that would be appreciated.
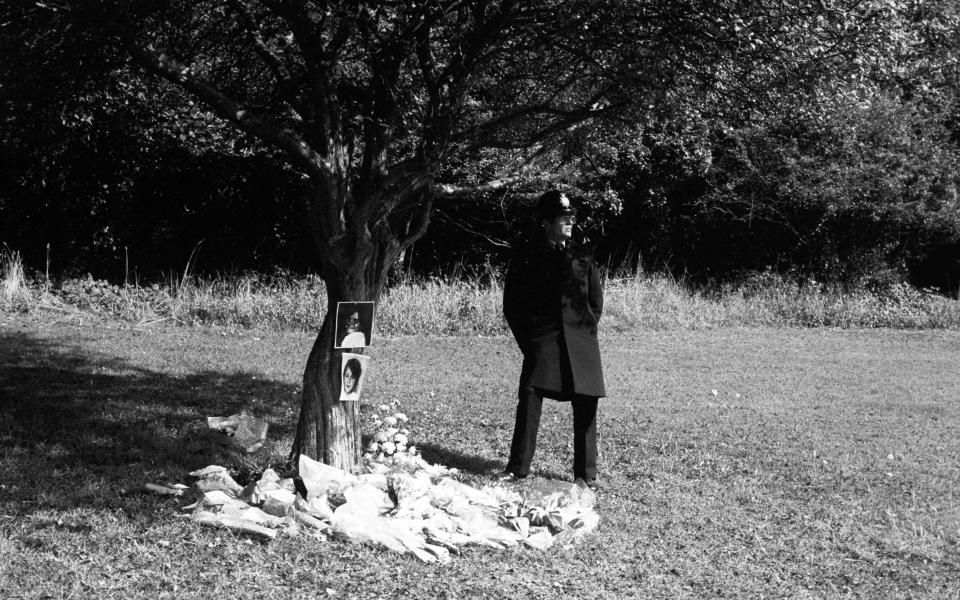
column 328, row 429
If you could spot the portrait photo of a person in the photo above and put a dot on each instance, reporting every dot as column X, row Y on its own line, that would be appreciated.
column 351, row 380
column 354, row 324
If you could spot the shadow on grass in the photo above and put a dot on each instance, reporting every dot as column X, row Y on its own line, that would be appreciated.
column 466, row 463
column 85, row 429
column 482, row 467
column 77, row 429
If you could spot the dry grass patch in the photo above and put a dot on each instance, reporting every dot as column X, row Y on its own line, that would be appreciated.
column 472, row 305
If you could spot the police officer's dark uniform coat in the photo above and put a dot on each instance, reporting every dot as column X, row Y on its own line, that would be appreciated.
column 552, row 301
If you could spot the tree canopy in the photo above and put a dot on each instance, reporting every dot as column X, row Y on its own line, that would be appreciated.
column 723, row 135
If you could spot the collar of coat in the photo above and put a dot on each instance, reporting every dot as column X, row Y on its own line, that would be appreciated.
column 538, row 244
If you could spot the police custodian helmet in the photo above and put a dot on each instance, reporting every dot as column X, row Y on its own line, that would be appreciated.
column 552, row 204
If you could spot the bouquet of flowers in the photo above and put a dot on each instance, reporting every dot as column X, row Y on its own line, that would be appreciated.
column 391, row 440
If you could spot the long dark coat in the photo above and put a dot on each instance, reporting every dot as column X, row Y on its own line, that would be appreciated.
column 552, row 300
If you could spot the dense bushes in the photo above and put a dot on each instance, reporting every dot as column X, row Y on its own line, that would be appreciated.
column 855, row 195
column 141, row 212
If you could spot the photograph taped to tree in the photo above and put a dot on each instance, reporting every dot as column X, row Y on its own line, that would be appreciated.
column 354, row 325
column 353, row 369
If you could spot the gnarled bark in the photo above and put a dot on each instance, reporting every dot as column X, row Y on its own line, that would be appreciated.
column 328, row 429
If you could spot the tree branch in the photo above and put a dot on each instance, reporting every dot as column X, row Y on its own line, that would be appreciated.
column 273, row 133
column 428, row 64
column 484, row 35
column 459, row 224
column 482, row 135
column 250, row 25
column 521, row 173
column 418, row 223
column 318, row 58
column 447, row 190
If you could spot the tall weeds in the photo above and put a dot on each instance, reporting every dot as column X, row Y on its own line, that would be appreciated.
column 14, row 294
column 471, row 304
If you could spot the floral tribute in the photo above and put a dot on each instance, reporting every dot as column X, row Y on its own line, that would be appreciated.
column 391, row 440
column 397, row 502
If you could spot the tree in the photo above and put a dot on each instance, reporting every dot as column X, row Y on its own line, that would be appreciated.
column 368, row 100
column 858, row 174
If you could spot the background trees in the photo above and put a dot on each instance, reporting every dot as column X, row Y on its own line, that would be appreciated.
column 804, row 148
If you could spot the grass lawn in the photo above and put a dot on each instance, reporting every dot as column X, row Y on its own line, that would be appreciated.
column 826, row 465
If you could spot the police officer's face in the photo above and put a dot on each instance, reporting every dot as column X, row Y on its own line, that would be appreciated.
column 560, row 228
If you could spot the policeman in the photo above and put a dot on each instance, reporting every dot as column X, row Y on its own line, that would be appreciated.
column 552, row 300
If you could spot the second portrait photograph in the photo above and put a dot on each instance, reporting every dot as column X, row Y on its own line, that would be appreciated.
column 353, row 369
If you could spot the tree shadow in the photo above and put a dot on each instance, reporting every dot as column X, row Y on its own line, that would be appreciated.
column 467, row 463
column 86, row 429
column 78, row 429
column 480, row 467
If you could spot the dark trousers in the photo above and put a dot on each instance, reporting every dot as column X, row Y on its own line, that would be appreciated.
column 529, row 407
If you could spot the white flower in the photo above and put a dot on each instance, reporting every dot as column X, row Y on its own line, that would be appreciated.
column 391, row 432
column 401, row 417
column 384, row 407
column 411, row 449
column 372, row 447
column 390, row 421
column 405, row 431
column 388, row 448
column 400, row 439
column 381, row 437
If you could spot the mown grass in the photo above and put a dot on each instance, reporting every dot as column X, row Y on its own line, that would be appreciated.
column 825, row 465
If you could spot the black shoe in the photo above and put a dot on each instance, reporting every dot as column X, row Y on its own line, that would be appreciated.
column 509, row 477
column 590, row 484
